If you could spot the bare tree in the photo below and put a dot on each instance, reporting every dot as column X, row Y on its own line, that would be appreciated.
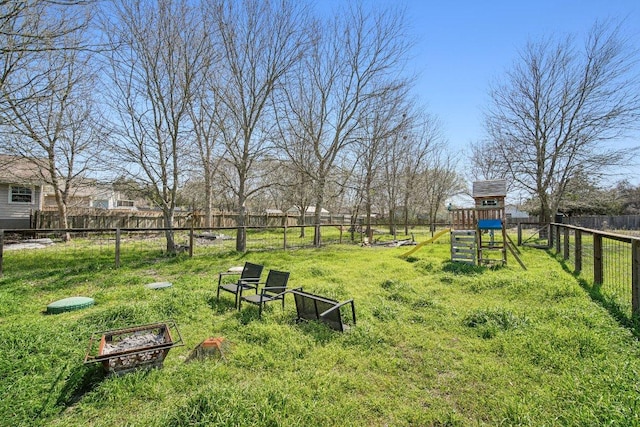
column 438, row 182
column 559, row 107
column 380, row 124
column 29, row 29
column 410, row 156
column 352, row 60
column 205, row 115
column 260, row 41
column 158, row 51
column 48, row 113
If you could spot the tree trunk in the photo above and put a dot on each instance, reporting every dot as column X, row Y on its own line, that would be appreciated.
column 316, row 234
column 63, row 221
column 241, row 238
column 368, row 208
column 302, row 221
column 392, row 223
column 406, row 215
column 208, row 200
column 169, row 234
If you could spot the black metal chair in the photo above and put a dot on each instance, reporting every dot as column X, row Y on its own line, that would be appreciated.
column 249, row 279
column 325, row 310
column 274, row 289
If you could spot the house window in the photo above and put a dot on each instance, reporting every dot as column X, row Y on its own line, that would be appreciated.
column 21, row 195
column 101, row 204
column 492, row 202
column 125, row 203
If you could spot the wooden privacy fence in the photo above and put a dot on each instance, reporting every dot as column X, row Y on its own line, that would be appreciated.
column 610, row 261
column 604, row 222
column 105, row 219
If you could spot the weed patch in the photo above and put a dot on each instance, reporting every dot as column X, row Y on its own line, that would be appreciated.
column 489, row 322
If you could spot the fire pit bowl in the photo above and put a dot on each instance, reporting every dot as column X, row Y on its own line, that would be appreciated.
column 138, row 347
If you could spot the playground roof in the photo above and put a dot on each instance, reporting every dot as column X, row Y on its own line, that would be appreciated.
column 491, row 188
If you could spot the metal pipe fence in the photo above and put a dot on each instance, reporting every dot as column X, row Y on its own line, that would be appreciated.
column 608, row 262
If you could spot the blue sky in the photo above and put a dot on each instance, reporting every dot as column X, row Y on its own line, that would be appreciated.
column 463, row 45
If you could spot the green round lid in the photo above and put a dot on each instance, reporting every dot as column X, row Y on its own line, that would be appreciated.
column 68, row 304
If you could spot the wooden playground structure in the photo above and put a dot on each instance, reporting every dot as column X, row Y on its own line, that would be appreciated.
column 478, row 234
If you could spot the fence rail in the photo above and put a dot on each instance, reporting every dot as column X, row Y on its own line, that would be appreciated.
column 609, row 261
column 123, row 246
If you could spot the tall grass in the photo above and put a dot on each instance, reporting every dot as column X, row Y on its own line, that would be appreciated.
column 436, row 343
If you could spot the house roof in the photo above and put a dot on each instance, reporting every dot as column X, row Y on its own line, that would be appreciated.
column 309, row 210
column 515, row 212
column 19, row 170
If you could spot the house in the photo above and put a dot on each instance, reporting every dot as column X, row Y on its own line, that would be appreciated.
column 514, row 213
column 310, row 211
column 273, row 212
column 21, row 183
column 89, row 193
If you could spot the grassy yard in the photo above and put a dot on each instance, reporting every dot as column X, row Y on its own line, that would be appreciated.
column 436, row 344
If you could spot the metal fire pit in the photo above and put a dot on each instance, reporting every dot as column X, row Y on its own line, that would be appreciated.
column 124, row 350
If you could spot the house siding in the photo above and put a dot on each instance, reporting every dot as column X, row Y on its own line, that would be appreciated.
column 16, row 215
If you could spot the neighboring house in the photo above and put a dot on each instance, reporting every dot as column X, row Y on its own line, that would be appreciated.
column 20, row 191
column 90, row 194
column 311, row 211
column 103, row 196
column 274, row 212
column 513, row 212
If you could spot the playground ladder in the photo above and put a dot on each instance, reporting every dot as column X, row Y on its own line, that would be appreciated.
column 463, row 246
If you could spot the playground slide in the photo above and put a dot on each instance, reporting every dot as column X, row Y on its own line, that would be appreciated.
column 433, row 239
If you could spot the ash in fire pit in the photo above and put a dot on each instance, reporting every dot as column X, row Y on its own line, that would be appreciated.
column 135, row 341
column 123, row 350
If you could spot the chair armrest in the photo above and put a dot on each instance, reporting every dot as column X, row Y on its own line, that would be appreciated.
column 266, row 288
column 337, row 307
column 252, row 283
column 228, row 273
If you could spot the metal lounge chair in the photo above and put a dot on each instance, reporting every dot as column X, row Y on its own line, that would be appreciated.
column 249, row 279
column 315, row 307
column 274, row 289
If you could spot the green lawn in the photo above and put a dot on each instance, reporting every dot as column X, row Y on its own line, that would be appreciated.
column 436, row 344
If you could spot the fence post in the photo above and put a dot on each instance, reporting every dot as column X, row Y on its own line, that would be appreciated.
column 635, row 276
column 317, row 237
column 284, row 238
column 191, row 240
column 341, row 233
column 597, row 258
column 117, row 248
column 519, row 234
column 565, row 255
column 1, row 249
column 578, row 251
column 556, row 236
